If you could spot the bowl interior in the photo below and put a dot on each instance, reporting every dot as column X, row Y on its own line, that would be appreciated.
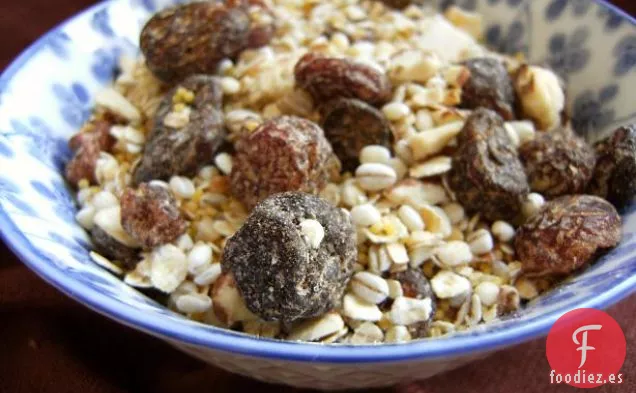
column 45, row 96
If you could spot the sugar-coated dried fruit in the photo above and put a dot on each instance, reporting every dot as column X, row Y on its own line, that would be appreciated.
column 558, row 163
column 109, row 247
column 326, row 78
column 350, row 125
column 184, row 148
column 615, row 174
column 192, row 38
column 281, row 272
column 87, row 145
column 150, row 215
column 286, row 153
column 487, row 175
column 567, row 233
column 489, row 86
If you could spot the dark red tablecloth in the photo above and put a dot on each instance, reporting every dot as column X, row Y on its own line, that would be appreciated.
column 48, row 343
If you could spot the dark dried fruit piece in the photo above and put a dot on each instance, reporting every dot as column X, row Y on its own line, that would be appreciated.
column 615, row 175
column 281, row 272
column 109, row 247
column 350, row 125
column 489, row 86
column 286, row 153
column 192, row 38
column 567, row 233
column 87, row 146
column 183, row 151
column 415, row 285
column 487, row 175
column 326, row 78
column 150, row 215
column 400, row 4
column 558, row 163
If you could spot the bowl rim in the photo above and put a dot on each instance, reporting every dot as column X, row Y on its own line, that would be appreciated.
column 224, row 340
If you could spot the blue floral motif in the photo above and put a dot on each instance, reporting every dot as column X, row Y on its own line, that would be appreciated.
column 569, row 54
column 11, row 194
column 42, row 144
column 58, row 42
column 556, row 8
column 469, row 5
column 592, row 112
column 105, row 63
column 60, row 198
column 149, row 5
column 77, row 247
column 613, row 20
column 510, row 41
column 512, row 3
column 5, row 150
column 625, row 52
column 101, row 22
column 74, row 103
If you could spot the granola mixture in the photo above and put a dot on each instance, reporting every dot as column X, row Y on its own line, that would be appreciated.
column 424, row 217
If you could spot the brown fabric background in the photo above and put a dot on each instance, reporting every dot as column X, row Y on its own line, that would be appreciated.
column 49, row 343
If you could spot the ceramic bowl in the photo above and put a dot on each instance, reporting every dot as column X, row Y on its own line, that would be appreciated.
column 45, row 95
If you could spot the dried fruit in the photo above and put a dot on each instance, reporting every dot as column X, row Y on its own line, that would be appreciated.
column 416, row 286
column 192, row 38
column 109, row 247
column 286, row 153
column 567, row 233
column 558, row 163
column 279, row 271
column 87, row 146
column 183, row 149
column 399, row 4
column 489, row 86
column 615, row 175
column 326, row 78
column 150, row 215
column 350, row 125
column 487, row 175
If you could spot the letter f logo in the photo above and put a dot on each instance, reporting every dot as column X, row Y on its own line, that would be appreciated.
column 583, row 345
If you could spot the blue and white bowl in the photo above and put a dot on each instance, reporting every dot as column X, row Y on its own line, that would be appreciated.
column 45, row 95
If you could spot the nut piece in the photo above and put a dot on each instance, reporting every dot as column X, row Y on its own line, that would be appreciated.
column 428, row 143
column 615, row 175
column 490, row 87
column 87, row 145
column 487, row 175
column 350, row 125
column 541, row 95
column 192, row 38
column 109, row 247
column 286, row 153
column 326, row 78
column 318, row 328
column 280, row 275
column 567, row 233
column 150, row 215
column 186, row 149
column 558, row 163
column 227, row 303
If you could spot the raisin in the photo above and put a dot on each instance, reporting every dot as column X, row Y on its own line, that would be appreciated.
column 489, row 86
column 615, row 174
column 415, row 285
column 558, row 163
column 109, row 247
column 400, row 4
column 286, row 153
column 87, row 145
column 150, row 215
column 567, row 233
column 487, row 175
column 192, row 38
column 350, row 125
column 281, row 273
column 326, row 78
column 183, row 151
